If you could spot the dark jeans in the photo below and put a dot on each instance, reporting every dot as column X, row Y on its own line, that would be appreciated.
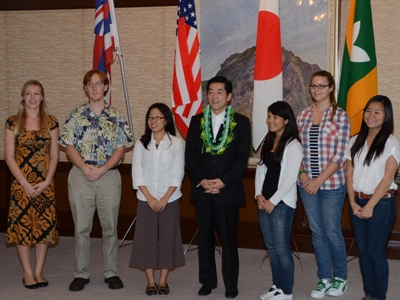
column 276, row 228
column 371, row 237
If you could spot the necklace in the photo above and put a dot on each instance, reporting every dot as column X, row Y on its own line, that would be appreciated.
column 217, row 147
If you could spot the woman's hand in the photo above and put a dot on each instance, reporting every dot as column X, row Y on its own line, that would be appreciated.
column 162, row 204
column 356, row 209
column 366, row 212
column 41, row 186
column 312, row 187
column 152, row 202
column 30, row 190
column 268, row 206
column 260, row 201
column 305, row 179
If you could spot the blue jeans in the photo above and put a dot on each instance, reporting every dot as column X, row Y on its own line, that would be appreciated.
column 276, row 228
column 324, row 214
column 371, row 237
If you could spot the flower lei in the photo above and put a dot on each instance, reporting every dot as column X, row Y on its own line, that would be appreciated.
column 212, row 147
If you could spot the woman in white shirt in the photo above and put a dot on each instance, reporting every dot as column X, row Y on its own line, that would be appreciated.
column 157, row 174
column 373, row 158
column 276, row 194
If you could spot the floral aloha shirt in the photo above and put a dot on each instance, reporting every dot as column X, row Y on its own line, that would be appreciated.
column 96, row 137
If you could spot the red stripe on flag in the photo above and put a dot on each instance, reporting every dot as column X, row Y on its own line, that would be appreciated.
column 181, row 125
column 186, row 85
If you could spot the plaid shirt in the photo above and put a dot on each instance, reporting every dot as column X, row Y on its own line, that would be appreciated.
column 332, row 143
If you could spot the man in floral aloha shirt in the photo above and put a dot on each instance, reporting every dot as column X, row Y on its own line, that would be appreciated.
column 95, row 136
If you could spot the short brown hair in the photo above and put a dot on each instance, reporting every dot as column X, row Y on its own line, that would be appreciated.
column 102, row 75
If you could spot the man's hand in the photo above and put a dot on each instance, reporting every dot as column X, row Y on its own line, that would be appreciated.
column 93, row 173
column 213, row 186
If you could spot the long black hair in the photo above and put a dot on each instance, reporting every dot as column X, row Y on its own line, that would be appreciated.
column 291, row 132
column 169, row 127
column 378, row 144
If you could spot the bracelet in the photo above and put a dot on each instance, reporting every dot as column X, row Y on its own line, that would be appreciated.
column 301, row 172
column 22, row 181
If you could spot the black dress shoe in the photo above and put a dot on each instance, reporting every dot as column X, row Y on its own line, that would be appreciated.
column 114, row 282
column 232, row 293
column 163, row 289
column 151, row 290
column 43, row 284
column 30, row 286
column 207, row 288
column 78, row 284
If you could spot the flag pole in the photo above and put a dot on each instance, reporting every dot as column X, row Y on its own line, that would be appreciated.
column 128, row 107
column 119, row 54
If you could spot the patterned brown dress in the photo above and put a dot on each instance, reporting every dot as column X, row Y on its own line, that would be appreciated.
column 32, row 221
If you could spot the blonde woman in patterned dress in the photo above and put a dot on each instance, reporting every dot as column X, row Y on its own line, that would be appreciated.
column 31, row 153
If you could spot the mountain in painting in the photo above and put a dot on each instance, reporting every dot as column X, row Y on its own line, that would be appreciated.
column 239, row 68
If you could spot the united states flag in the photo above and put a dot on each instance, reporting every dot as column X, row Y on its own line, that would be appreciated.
column 186, row 86
column 104, row 39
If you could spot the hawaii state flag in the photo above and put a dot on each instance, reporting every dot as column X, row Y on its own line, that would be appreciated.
column 359, row 75
column 186, row 85
column 104, row 45
column 268, row 67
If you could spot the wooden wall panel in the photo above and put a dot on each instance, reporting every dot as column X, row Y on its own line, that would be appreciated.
column 249, row 234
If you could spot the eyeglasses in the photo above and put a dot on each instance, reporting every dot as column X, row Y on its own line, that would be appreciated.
column 318, row 87
column 94, row 84
column 156, row 118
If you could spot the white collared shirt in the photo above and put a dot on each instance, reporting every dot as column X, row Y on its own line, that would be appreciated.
column 159, row 168
column 366, row 178
column 217, row 121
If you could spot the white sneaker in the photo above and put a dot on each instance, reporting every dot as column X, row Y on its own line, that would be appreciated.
column 270, row 293
column 338, row 287
column 321, row 289
column 279, row 295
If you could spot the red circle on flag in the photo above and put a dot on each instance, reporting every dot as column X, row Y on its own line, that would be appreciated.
column 268, row 62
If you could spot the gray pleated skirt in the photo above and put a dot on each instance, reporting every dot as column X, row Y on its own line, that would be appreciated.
column 157, row 242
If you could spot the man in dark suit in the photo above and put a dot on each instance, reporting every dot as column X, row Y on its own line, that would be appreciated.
column 217, row 152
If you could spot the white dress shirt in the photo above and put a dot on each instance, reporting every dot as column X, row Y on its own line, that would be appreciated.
column 217, row 121
column 159, row 168
column 366, row 178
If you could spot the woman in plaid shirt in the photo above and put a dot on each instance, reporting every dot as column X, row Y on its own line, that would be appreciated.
column 325, row 132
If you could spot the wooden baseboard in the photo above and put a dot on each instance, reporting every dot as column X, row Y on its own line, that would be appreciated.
column 249, row 234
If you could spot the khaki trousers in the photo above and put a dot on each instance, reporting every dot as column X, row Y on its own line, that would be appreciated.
column 85, row 197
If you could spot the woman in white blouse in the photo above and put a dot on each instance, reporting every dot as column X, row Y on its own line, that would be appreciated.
column 373, row 158
column 157, row 174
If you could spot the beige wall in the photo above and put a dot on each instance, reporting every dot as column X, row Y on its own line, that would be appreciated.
column 55, row 47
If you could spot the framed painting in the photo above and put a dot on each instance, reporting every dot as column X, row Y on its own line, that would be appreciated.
column 228, row 28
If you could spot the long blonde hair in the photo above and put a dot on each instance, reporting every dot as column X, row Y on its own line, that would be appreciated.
column 20, row 120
